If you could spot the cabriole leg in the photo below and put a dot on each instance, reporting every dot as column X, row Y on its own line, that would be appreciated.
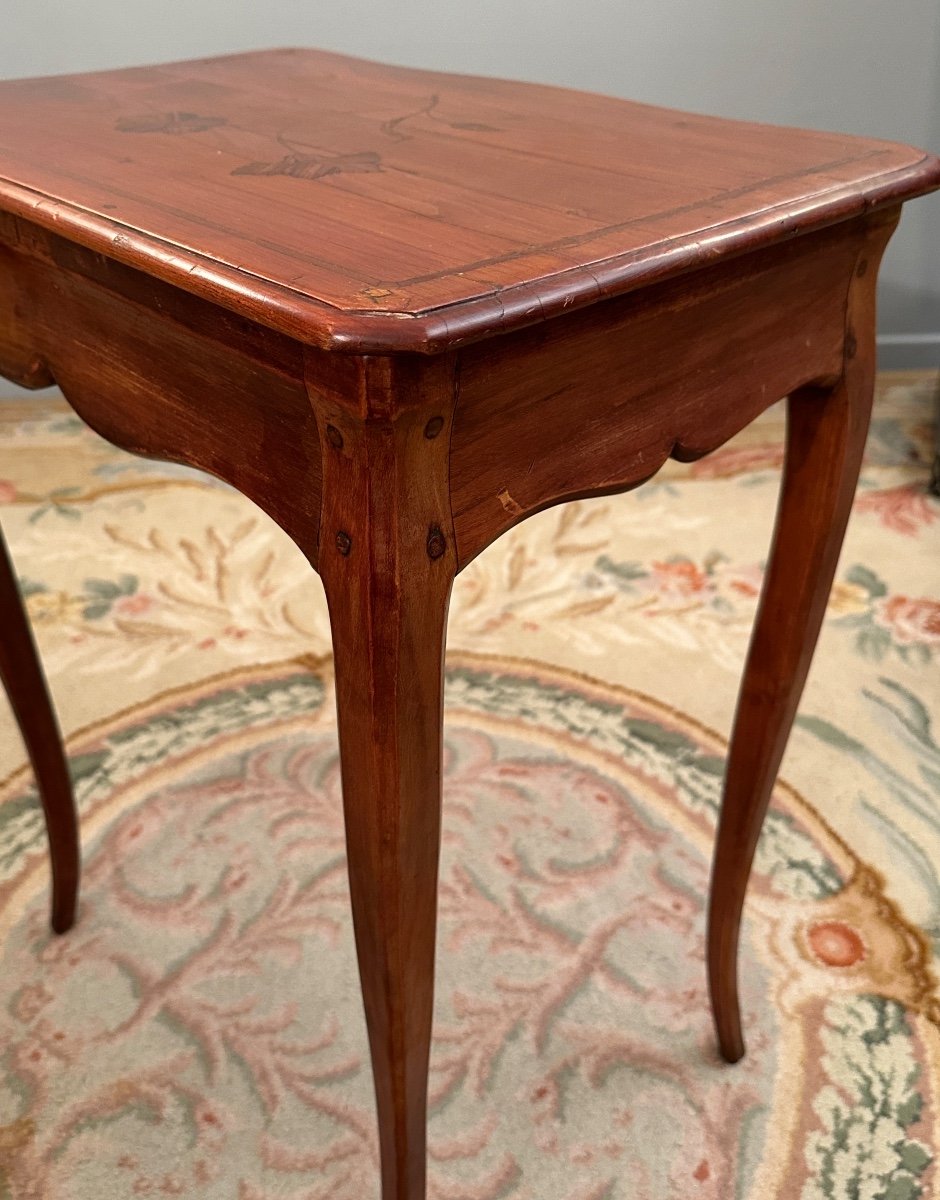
column 22, row 677
column 387, row 561
column 826, row 431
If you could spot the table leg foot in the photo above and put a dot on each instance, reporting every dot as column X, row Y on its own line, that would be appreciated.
column 22, row 677
column 825, row 440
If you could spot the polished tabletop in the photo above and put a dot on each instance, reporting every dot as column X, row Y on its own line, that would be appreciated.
column 362, row 206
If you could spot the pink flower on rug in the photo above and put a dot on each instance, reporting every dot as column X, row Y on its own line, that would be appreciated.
column 133, row 606
column 7, row 491
column 679, row 577
column 738, row 460
column 910, row 621
column 836, row 944
column 905, row 509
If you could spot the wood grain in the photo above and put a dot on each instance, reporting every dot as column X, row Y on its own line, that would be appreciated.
column 371, row 208
column 387, row 560
column 161, row 373
column 826, row 431
column 402, row 311
column 596, row 402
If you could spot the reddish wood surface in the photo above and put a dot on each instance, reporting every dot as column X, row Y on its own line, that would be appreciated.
column 826, row 431
column 368, row 207
column 654, row 375
column 388, row 561
column 402, row 311
column 162, row 373
column 22, row 677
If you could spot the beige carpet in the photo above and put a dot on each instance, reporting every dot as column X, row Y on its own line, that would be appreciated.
column 199, row 1032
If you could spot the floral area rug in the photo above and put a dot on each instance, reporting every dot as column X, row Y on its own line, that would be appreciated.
column 199, row 1033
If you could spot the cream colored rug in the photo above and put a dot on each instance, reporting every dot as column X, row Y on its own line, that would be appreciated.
column 199, row 1033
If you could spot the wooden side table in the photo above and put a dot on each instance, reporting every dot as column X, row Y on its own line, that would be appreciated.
column 402, row 311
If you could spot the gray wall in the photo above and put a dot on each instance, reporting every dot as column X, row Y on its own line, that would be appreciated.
column 862, row 66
